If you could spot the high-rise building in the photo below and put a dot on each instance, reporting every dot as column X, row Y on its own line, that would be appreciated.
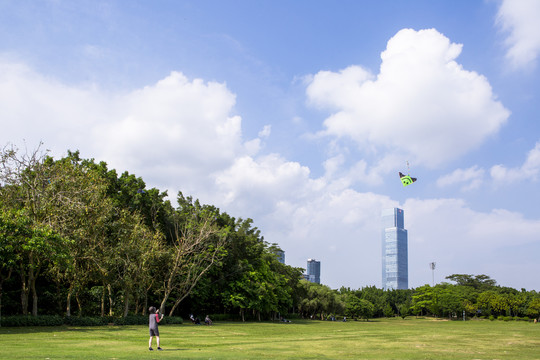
column 281, row 256
column 395, row 269
column 314, row 271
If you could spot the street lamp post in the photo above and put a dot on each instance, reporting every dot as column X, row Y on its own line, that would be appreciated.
column 432, row 267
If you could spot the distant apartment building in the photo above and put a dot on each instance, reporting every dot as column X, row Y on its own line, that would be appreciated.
column 395, row 269
column 313, row 271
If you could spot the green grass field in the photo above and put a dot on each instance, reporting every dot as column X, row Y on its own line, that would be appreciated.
column 378, row 339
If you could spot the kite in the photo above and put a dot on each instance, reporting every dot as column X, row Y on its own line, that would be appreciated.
column 406, row 179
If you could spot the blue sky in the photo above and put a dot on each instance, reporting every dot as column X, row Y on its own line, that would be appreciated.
column 299, row 115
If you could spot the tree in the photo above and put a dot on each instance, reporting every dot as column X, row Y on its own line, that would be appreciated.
column 10, row 233
column 60, row 199
column 133, row 254
column 422, row 300
column 447, row 301
column 28, row 248
column 478, row 282
column 403, row 310
column 197, row 244
column 375, row 296
column 358, row 308
column 318, row 299
column 533, row 310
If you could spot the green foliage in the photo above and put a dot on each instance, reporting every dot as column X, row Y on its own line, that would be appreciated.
column 358, row 308
column 86, row 321
column 478, row 282
column 26, row 320
column 319, row 300
column 533, row 310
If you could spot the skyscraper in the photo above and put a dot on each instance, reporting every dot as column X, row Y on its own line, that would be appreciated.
column 395, row 269
column 314, row 271
column 281, row 256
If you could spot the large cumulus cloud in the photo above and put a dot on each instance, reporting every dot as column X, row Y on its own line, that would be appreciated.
column 422, row 105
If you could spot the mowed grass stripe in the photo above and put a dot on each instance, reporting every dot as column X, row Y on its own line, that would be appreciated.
column 379, row 339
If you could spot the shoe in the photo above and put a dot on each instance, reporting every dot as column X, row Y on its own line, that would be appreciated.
column 160, row 349
column 150, row 349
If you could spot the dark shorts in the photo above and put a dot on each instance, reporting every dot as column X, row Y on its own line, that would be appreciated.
column 154, row 332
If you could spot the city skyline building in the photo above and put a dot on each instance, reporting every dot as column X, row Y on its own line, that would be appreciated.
column 313, row 271
column 281, row 256
column 395, row 268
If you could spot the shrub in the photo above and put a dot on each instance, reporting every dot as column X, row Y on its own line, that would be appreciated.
column 55, row 320
column 131, row 320
column 507, row 318
column 173, row 320
column 22, row 320
column 86, row 321
column 226, row 317
column 491, row 317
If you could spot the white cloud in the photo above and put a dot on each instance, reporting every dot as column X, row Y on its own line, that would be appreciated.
column 471, row 178
column 422, row 106
column 265, row 132
column 519, row 20
column 34, row 107
column 259, row 184
column 528, row 171
column 462, row 240
column 174, row 133
column 180, row 129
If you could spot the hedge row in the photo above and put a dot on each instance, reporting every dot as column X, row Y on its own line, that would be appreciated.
column 55, row 320
column 509, row 318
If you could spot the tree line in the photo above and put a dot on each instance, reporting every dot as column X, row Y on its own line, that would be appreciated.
column 77, row 238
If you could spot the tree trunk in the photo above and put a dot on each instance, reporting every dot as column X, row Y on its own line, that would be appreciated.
column 79, row 304
column 32, row 282
column 126, row 303
column 137, row 305
column 24, row 292
column 110, row 300
column 103, row 301
column 145, row 305
column 68, row 301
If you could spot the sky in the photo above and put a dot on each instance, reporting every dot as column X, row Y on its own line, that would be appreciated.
column 300, row 115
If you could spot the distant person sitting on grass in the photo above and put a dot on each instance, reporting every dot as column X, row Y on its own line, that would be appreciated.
column 194, row 320
column 207, row 320
column 154, row 319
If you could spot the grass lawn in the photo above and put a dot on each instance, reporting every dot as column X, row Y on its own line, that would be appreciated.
column 378, row 339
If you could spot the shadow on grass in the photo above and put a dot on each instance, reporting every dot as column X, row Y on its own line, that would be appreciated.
column 61, row 329
column 166, row 350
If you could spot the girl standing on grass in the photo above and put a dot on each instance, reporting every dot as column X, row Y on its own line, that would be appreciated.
column 154, row 319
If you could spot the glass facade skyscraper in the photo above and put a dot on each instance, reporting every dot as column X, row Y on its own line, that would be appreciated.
column 314, row 271
column 281, row 256
column 395, row 268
